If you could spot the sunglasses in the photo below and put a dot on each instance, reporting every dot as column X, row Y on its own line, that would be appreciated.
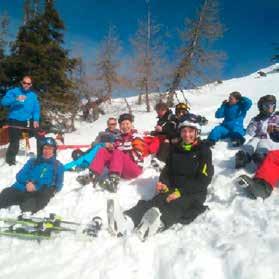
column 26, row 83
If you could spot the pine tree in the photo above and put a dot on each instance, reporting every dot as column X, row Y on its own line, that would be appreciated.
column 195, row 56
column 38, row 51
column 4, row 22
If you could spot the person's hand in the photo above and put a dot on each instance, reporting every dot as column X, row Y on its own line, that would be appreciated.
column 30, row 187
column 36, row 124
column 173, row 196
column 109, row 145
column 158, row 128
column 225, row 102
column 21, row 98
column 161, row 187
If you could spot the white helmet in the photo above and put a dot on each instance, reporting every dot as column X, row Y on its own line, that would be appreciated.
column 187, row 123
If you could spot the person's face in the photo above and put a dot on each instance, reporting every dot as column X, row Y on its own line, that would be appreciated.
column 126, row 126
column 269, row 107
column 26, row 83
column 232, row 100
column 188, row 135
column 179, row 113
column 48, row 152
column 161, row 112
column 112, row 125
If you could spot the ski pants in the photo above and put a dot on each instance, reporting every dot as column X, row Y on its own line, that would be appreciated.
column 117, row 162
column 260, row 146
column 269, row 169
column 222, row 132
column 27, row 201
column 14, row 138
column 183, row 210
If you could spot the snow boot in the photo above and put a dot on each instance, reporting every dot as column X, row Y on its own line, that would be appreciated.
column 241, row 159
column 118, row 223
column 150, row 224
column 111, row 183
column 255, row 187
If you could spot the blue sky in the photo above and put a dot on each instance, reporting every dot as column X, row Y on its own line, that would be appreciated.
column 252, row 26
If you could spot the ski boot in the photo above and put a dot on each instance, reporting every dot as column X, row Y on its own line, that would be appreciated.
column 254, row 187
column 237, row 142
column 111, row 183
column 150, row 224
column 241, row 159
column 88, row 178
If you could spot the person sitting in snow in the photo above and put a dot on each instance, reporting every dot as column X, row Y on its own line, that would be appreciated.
column 233, row 111
column 82, row 160
column 259, row 128
column 124, row 158
column 164, row 132
column 182, row 114
column 37, row 182
column 266, row 177
column 181, row 189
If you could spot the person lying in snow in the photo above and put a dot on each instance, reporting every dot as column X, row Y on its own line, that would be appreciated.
column 233, row 111
column 37, row 182
column 181, row 189
column 124, row 158
column 266, row 177
column 82, row 160
column 259, row 128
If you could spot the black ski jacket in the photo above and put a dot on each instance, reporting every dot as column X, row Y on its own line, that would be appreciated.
column 188, row 172
column 168, row 124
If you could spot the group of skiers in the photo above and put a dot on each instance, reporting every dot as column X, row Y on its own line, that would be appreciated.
column 183, row 159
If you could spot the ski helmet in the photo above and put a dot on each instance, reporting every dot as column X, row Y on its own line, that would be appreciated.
column 77, row 153
column 182, row 107
column 125, row 116
column 187, row 123
column 266, row 102
column 49, row 142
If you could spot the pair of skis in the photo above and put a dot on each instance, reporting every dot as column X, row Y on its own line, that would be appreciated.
column 36, row 228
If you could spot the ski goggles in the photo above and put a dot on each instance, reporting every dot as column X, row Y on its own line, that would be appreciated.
column 268, row 106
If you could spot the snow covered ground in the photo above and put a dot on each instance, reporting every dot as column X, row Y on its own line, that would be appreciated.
column 236, row 239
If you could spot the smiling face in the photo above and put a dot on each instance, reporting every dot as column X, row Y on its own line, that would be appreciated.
column 48, row 152
column 126, row 126
column 189, row 134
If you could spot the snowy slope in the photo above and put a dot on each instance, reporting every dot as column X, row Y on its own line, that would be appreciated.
column 236, row 239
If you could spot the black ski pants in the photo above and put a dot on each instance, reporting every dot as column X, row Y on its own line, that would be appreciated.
column 183, row 210
column 14, row 137
column 27, row 201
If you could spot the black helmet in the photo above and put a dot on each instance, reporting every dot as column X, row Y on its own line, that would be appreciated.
column 266, row 101
column 77, row 153
column 125, row 116
column 181, row 107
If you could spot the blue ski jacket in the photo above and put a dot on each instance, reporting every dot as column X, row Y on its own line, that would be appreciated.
column 22, row 110
column 234, row 114
column 42, row 172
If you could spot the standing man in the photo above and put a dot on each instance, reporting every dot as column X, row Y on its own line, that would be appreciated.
column 23, row 106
